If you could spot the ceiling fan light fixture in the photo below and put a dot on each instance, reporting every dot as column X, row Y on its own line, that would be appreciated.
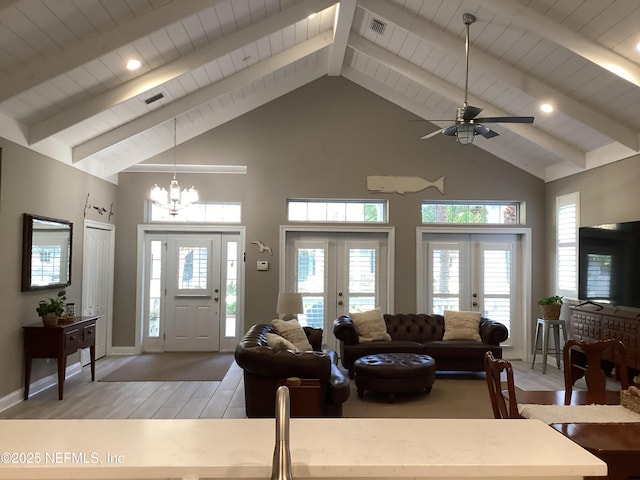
column 465, row 134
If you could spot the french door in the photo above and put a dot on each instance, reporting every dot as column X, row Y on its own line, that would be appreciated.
column 337, row 273
column 475, row 272
column 191, row 291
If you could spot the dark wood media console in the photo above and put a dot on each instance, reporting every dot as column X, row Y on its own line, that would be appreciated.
column 589, row 324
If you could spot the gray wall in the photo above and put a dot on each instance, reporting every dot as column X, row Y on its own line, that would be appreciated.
column 608, row 194
column 33, row 183
column 321, row 141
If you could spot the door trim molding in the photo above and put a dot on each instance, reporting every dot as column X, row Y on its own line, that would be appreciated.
column 524, row 236
column 146, row 228
column 111, row 228
column 389, row 231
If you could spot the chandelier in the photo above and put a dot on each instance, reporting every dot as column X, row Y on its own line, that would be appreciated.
column 174, row 199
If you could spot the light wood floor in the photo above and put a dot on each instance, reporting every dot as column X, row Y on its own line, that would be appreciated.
column 224, row 399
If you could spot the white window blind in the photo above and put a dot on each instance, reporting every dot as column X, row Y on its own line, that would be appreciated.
column 567, row 217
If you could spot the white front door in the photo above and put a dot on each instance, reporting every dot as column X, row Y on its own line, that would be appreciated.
column 337, row 273
column 97, row 281
column 474, row 272
column 192, row 287
column 192, row 314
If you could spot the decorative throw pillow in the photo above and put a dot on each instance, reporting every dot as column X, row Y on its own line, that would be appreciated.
column 370, row 325
column 461, row 326
column 292, row 331
column 279, row 343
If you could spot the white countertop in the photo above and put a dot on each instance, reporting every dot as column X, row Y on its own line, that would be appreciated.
column 320, row 448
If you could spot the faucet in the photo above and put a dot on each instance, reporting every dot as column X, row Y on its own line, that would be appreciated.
column 281, row 469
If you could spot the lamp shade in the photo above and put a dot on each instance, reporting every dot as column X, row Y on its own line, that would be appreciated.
column 289, row 304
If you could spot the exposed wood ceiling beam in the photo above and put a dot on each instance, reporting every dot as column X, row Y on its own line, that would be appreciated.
column 529, row 19
column 345, row 11
column 432, row 82
column 83, row 52
column 146, row 82
column 615, row 130
column 196, row 99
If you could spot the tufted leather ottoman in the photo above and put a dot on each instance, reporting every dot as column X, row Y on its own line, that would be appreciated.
column 394, row 373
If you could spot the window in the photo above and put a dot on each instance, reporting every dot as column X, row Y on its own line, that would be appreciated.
column 567, row 215
column 352, row 211
column 227, row 212
column 500, row 213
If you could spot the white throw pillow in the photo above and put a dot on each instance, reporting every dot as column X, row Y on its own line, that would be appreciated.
column 461, row 326
column 370, row 325
column 279, row 343
column 292, row 331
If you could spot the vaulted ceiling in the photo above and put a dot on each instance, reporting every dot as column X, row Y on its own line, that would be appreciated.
column 65, row 90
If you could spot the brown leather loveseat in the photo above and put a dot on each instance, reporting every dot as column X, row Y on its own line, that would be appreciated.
column 422, row 333
column 265, row 367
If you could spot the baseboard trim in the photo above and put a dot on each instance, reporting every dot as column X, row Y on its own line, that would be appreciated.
column 17, row 396
column 122, row 351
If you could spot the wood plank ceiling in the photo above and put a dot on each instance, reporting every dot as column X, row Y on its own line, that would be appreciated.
column 66, row 92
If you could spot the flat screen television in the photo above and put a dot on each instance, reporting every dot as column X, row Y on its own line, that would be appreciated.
column 609, row 264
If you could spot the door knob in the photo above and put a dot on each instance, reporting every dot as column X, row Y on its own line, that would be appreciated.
column 475, row 304
column 340, row 303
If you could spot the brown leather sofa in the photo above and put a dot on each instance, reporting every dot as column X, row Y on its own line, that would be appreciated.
column 422, row 333
column 264, row 368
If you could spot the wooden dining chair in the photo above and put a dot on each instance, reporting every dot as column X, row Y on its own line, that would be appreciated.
column 584, row 359
column 493, row 368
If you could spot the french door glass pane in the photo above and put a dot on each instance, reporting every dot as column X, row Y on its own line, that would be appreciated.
column 311, row 283
column 497, row 285
column 362, row 279
column 446, row 280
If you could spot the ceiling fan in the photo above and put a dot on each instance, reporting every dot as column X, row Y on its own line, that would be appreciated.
column 467, row 123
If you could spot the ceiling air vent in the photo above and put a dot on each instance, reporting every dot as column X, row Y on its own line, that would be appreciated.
column 378, row 26
column 155, row 98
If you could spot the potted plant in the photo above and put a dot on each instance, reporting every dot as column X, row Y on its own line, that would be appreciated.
column 50, row 310
column 550, row 307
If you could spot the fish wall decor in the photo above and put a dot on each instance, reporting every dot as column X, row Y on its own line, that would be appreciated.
column 402, row 185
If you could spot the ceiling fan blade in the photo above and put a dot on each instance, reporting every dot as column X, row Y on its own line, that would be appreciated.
column 469, row 112
column 444, row 131
column 431, row 120
column 505, row 120
column 484, row 131
column 451, row 131
column 432, row 134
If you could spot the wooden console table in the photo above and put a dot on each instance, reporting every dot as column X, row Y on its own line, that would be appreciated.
column 58, row 342
column 589, row 324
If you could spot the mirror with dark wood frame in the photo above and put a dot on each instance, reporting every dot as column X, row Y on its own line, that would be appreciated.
column 46, row 252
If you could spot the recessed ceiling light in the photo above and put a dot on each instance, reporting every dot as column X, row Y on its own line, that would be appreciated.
column 638, row 47
column 133, row 64
column 546, row 107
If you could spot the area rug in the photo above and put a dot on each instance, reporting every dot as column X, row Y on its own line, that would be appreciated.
column 452, row 396
column 173, row 367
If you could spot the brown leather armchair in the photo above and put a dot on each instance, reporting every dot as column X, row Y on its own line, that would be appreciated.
column 265, row 368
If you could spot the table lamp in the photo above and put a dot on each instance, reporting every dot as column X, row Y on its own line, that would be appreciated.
column 289, row 305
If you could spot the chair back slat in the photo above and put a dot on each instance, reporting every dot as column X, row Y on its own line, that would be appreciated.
column 493, row 369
